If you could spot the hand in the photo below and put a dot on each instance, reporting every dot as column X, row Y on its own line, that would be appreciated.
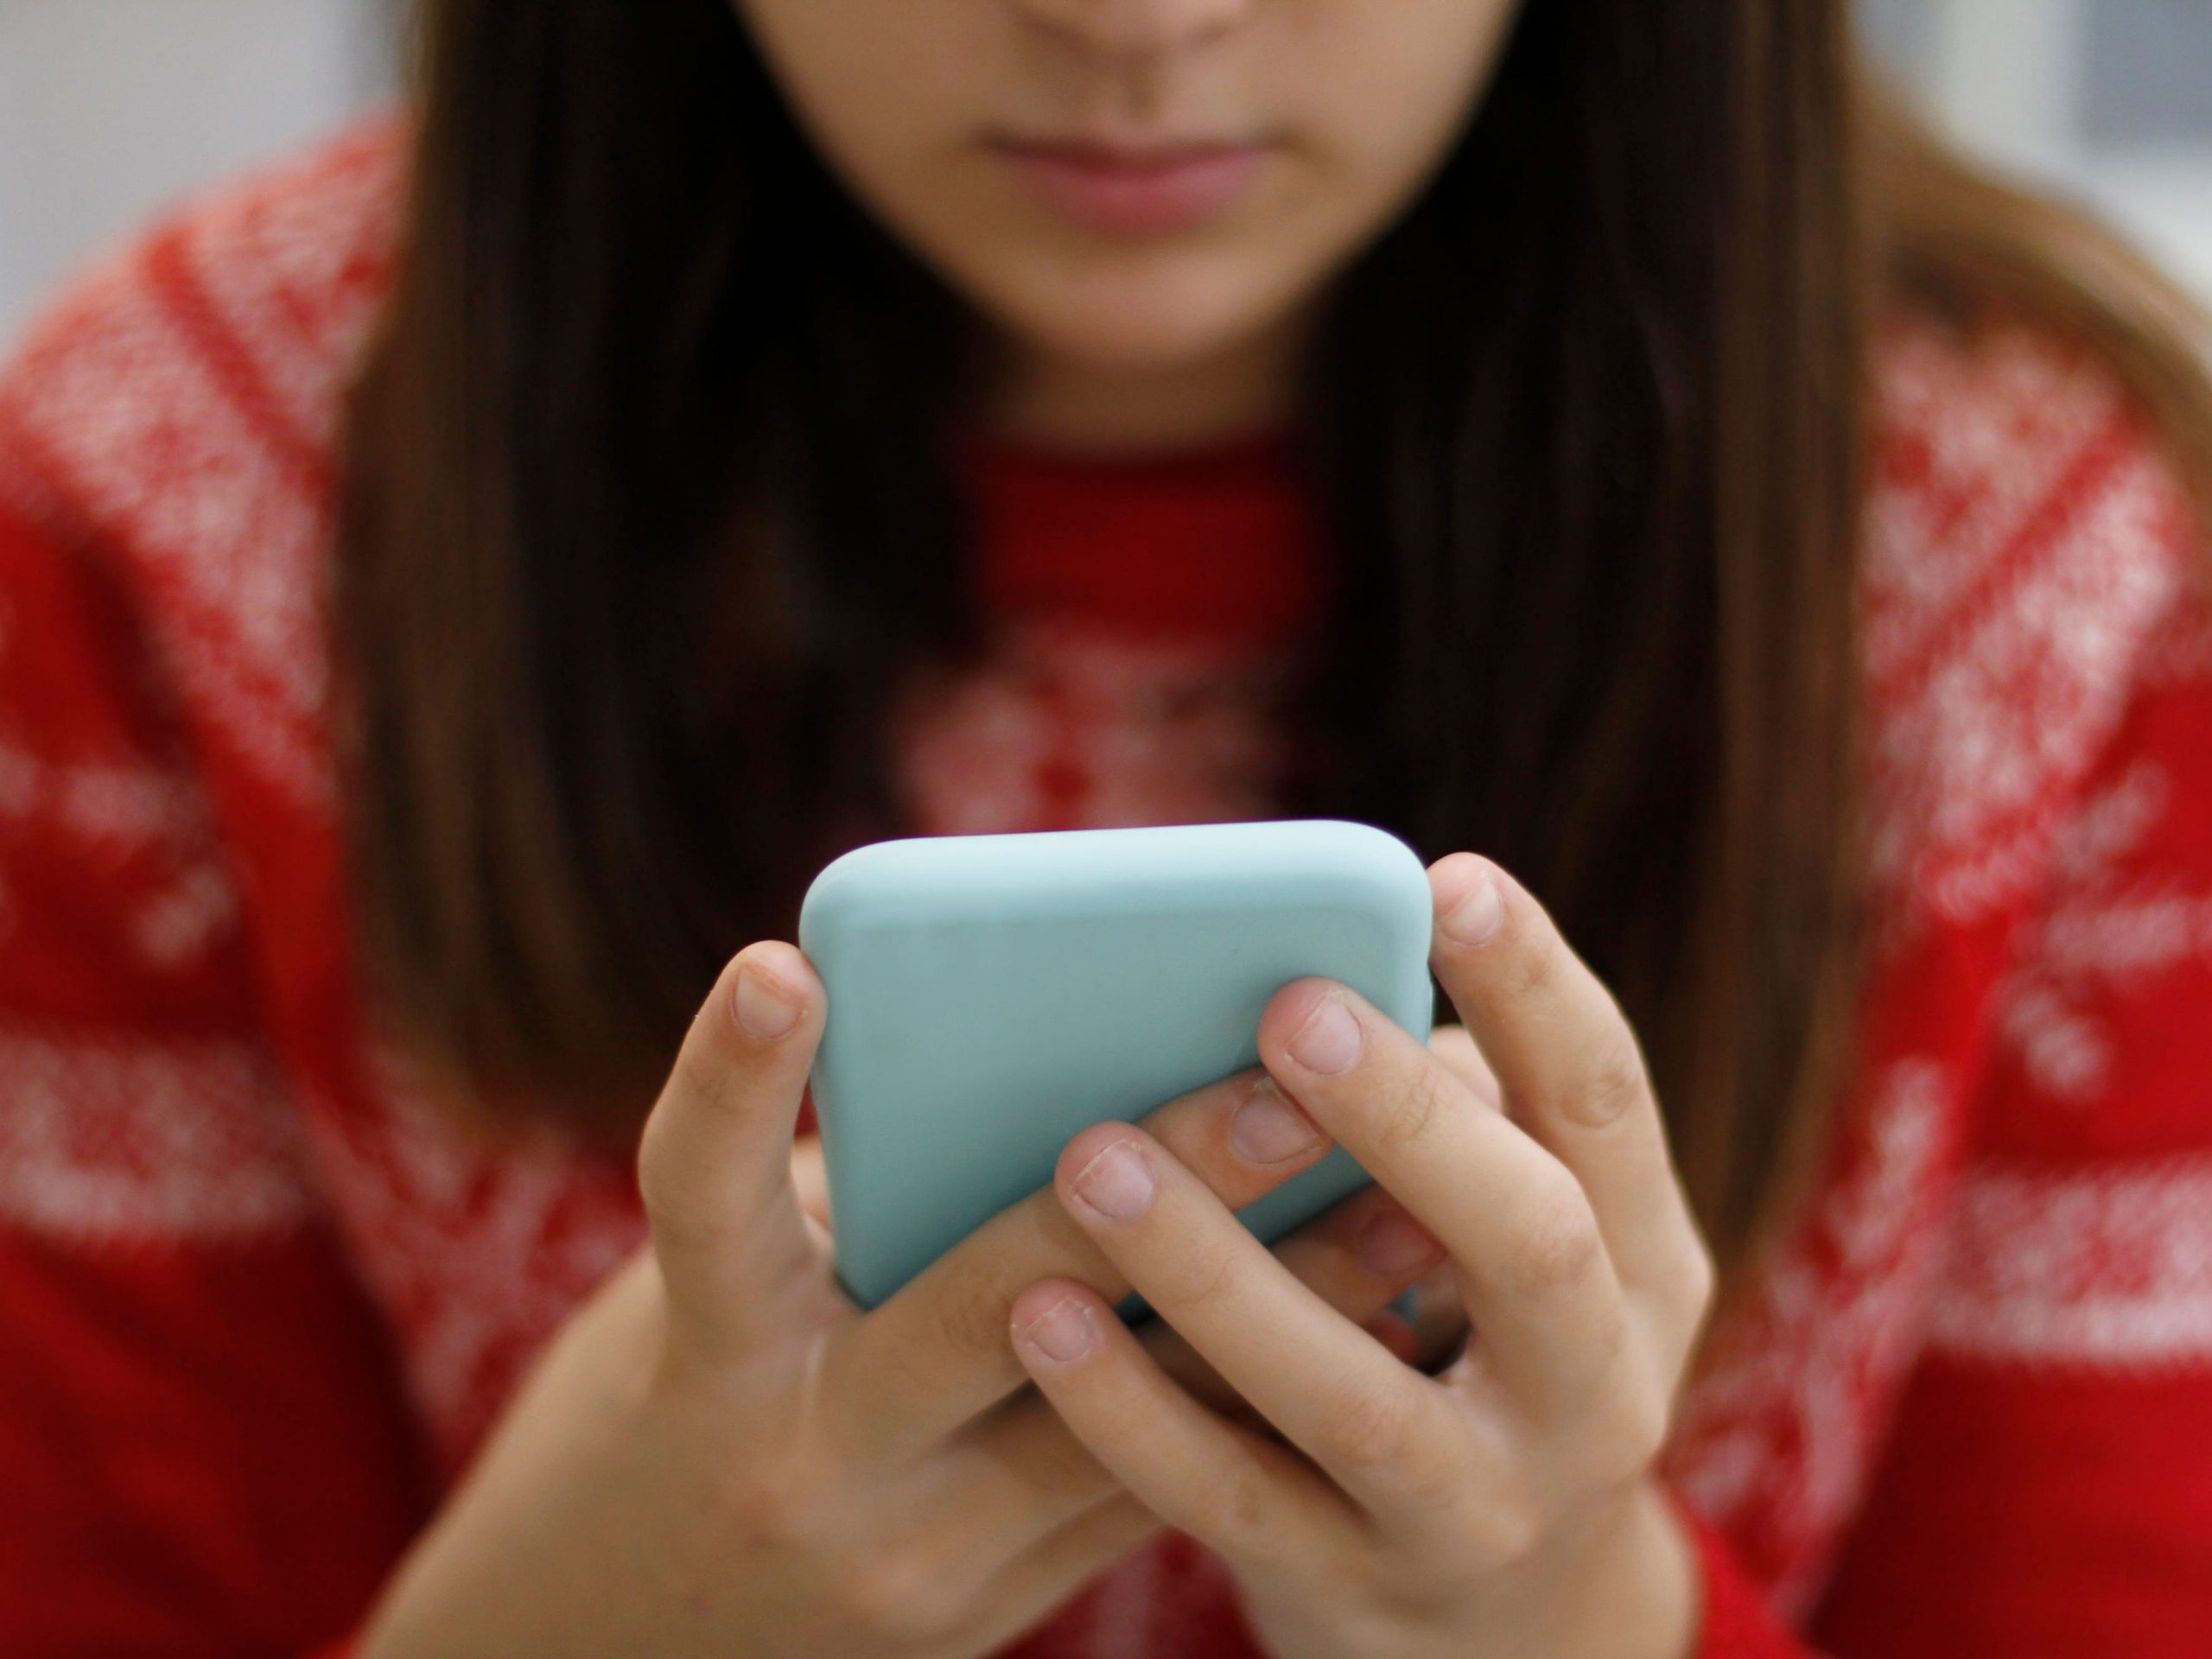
column 1505, row 1507
column 719, row 1453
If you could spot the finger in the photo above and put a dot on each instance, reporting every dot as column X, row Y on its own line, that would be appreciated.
column 1359, row 1258
column 810, row 1180
column 714, row 1163
column 1032, row 1585
column 1251, row 1501
column 1573, row 1075
column 1020, row 1461
column 935, row 1355
column 1538, row 1285
column 1095, row 1539
column 1452, row 1045
column 1389, row 1437
column 810, row 1186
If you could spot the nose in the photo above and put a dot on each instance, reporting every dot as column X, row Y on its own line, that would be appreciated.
column 1138, row 29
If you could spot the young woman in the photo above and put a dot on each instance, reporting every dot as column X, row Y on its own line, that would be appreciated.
column 455, row 589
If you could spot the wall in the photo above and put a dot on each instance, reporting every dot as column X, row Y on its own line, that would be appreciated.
column 108, row 108
column 2110, row 100
column 111, row 107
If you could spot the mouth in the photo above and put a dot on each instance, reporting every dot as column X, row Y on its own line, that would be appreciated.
column 1131, row 190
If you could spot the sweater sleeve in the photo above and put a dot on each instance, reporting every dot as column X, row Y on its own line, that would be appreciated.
column 2047, row 1487
column 1735, row 1621
column 203, row 1447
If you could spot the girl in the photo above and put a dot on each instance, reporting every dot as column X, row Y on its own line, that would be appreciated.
column 459, row 587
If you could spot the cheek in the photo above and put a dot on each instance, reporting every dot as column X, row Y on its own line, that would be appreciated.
column 1400, row 92
column 884, row 93
column 896, row 96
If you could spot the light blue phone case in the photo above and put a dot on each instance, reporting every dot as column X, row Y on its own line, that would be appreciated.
column 992, row 996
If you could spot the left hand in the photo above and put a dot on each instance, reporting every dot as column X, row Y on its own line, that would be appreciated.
column 1505, row 1507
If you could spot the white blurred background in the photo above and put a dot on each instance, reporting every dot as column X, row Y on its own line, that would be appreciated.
column 108, row 108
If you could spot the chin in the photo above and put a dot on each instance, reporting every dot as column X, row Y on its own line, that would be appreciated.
column 1150, row 315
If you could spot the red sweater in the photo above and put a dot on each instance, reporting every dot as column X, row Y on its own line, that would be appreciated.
column 260, row 1303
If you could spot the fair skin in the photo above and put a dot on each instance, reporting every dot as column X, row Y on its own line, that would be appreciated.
column 719, row 1453
column 1145, row 200
column 1144, row 339
column 1505, row 1507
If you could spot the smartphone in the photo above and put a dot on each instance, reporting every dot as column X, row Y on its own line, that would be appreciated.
column 992, row 996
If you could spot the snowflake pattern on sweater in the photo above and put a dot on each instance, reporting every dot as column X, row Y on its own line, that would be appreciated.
column 255, row 1274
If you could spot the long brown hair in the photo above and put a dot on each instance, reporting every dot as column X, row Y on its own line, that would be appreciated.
column 648, row 513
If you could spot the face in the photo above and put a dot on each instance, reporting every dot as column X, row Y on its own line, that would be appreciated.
column 1133, row 185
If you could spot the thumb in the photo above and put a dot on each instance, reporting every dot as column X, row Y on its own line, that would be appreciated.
column 713, row 1165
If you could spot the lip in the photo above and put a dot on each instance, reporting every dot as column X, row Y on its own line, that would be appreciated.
column 1129, row 190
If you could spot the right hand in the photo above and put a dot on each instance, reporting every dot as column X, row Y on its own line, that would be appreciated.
column 721, row 1453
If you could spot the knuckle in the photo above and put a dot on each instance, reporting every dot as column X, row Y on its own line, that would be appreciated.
column 1557, row 1244
column 1608, row 1338
column 681, row 1215
column 1642, row 1421
column 1205, row 1279
column 702, row 1072
column 657, row 1166
column 1511, row 1530
column 1416, row 1108
column 1529, row 965
column 1371, row 1431
column 801, row 1506
column 1431, row 1487
column 1695, row 1284
column 657, row 1177
column 1502, row 1522
column 792, row 1502
column 906, row 1594
column 1231, row 1508
column 1615, row 1082
column 973, row 1309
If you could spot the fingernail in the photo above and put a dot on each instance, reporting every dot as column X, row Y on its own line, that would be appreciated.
column 1268, row 1129
column 1329, row 1040
column 1063, row 1331
column 765, row 1007
column 1117, row 1182
column 1475, row 916
column 1393, row 1242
